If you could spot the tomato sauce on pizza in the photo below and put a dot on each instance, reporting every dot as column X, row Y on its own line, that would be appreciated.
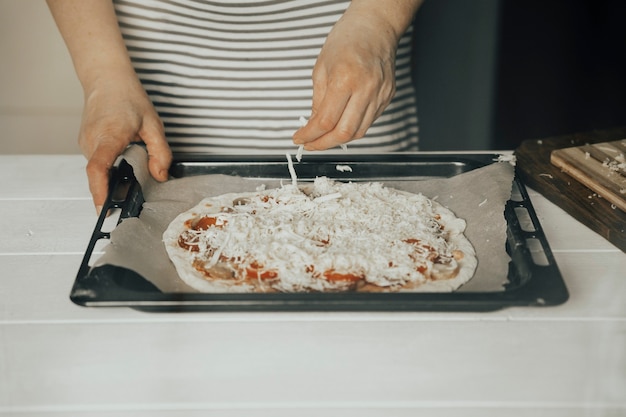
column 318, row 237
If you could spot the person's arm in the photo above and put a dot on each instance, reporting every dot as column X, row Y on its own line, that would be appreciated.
column 354, row 76
column 117, row 109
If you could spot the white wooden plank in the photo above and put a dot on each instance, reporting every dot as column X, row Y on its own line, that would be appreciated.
column 43, row 177
column 35, row 289
column 447, row 409
column 285, row 364
column 46, row 226
column 318, row 410
column 63, row 177
column 596, row 283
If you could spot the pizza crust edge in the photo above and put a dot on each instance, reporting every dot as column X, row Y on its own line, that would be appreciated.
column 454, row 225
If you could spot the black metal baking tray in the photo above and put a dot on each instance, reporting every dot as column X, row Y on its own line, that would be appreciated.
column 533, row 277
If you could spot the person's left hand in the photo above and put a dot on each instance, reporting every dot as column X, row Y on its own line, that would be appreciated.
column 353, row 81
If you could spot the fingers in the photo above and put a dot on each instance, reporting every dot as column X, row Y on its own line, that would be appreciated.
column 102, row 144
column 324, row 118
column 353, row 80
column 159, row 153
column 98, row 168
column 355, row 119
column 348, row 96
column 341, row 116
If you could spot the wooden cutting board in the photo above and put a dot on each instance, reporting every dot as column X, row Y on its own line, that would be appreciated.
column 599, row 166
column 588, row 206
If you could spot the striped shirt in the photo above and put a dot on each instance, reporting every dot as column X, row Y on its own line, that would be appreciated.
column 235, row 76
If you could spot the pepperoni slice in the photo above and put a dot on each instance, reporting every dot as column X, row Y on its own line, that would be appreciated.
column 188, row 241
column 255, row 271
column 203, row 223
column 334, row 276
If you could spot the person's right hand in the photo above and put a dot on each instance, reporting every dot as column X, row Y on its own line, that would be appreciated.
column 116, row 113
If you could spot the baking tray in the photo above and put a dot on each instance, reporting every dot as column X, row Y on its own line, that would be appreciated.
column 533, row 277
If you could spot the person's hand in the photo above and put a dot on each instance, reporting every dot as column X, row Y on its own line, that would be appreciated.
column 116, row 113
column 353, row 81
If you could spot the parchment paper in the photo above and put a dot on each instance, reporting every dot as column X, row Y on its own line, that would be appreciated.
column 477, row 196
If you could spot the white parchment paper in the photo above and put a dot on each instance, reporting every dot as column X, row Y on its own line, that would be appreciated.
column 478, row 196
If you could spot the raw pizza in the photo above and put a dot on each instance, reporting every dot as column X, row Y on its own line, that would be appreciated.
column 323, row 236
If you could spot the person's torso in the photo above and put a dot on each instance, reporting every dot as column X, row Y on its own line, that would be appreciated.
column 235, row 76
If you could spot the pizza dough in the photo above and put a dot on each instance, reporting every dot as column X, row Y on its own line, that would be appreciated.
column 322, row 236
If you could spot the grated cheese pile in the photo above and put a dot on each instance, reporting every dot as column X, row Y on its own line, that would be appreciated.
column 616, row 165
column 358, row 228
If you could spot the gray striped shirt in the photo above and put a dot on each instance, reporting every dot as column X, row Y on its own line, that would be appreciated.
column 235, row 76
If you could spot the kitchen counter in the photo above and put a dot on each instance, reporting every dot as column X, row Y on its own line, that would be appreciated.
column 57, row 358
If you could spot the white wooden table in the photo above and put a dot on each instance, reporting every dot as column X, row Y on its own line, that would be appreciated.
column 57, row 358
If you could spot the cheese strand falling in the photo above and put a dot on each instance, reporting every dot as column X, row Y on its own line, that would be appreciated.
column 292, row 172
column 299, row 153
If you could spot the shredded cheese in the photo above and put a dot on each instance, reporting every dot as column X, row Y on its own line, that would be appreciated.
column 512, row 159
column 292, row 171
column 327, row 197
column 390, row 238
